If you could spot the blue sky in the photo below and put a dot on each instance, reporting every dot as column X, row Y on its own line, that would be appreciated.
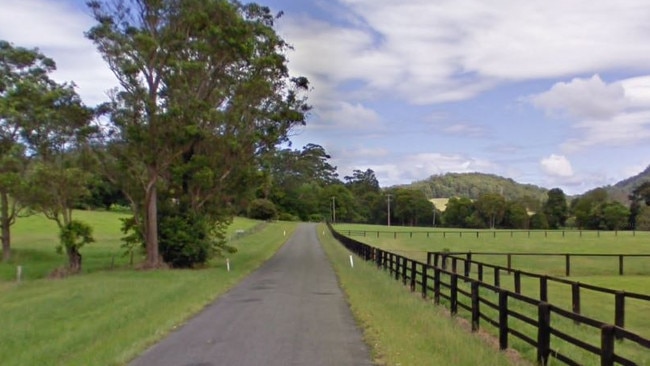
column 553, row 93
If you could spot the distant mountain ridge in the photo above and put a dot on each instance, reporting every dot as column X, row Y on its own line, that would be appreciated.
column 621, row 190
column 472, row 185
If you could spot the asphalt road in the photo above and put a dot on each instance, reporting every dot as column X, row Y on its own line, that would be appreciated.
column 291, row 311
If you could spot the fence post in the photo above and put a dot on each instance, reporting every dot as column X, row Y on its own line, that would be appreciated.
column 497, row 277
column 567, row 269
column 575, row 298
column 429, row 255
column 454, row 264
column 453, row 295
column 503, row 319
column 619, row 310
column 543, row 333
column 476, row 311
column 480, row 272
column 509, row 263
column 620, row 265
column 436, row 285
column 413, row 279
column 436, row 259
column 517, row 282
column 424, row 281
column 404, row 270
column 543, row 288
column 397, row 272
column 385, row 260
column 468, row 263
column 607, row 333
column 444, row 261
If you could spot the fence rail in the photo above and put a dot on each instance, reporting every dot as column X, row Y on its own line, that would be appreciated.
column 442, row 283
column 491, row 233
column 465, row 259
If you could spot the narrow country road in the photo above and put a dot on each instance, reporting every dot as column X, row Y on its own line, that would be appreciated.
column 291, row 311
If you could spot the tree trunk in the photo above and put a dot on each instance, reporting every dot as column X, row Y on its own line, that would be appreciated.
column 151, row 222
column 74, row 260
column 6, row 227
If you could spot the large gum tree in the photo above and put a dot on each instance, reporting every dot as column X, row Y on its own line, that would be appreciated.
column 204, row 89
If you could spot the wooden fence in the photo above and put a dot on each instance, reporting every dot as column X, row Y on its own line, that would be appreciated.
column 492, row 233
column 429, row 280
column 465, row 260
column 510, row 255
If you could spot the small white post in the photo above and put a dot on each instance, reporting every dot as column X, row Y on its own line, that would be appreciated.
column 228, row 264
column 351, row 261
column 284, row 233
column 19, row 273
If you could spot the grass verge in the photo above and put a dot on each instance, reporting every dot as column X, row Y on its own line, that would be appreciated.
column 401, row 328
column 109, row 317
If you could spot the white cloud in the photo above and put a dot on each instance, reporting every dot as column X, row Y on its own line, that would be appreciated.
column 344, row 115
column 392, row 169
column 583, row 99
column 433, row 51
column 614, row 114
column 57, row 28
column 557, row 166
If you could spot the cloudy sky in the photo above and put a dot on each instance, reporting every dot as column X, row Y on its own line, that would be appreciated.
column 554, row 93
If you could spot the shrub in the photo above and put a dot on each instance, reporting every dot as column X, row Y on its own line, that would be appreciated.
column 262, row 209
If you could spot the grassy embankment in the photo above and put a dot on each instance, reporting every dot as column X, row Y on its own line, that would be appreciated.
column 107, row 317
column 597, row 271
column 401, row 328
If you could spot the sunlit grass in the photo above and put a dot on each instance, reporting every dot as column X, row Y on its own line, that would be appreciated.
column 106, row 317
column 401, row 328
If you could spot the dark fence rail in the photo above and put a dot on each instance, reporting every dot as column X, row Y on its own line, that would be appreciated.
column 444, row 284
column 491, row 233
column 465, row 261
column 567, row 257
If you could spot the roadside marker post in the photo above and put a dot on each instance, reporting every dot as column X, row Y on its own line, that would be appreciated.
column 351, row 261
column 19, row 273
column 228, row 264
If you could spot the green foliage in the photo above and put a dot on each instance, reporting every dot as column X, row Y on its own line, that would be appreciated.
column 187, row 241
column 491, row 207
column 283, row 216
column 472, row 185
column 538, row 221
column 595, row 210
column 261, row 209
column 411, row 208
column 74, row 236
column 556, row 209
column 516, row 216
column 207, row 93
column 458, row 212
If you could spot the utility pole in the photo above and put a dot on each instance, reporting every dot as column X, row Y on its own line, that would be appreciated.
column 333, row 209
column 388, row 195
column 434, row 216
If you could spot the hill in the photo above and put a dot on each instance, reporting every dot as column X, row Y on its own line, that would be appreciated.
column 621, row 190
column 471, row 185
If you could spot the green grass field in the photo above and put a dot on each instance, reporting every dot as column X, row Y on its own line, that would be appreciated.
column 601, row 271
column 107, row 317
column 401, row 328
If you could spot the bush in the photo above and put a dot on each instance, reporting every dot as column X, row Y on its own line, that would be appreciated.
column 538, row 221
column 315, row 218
column 262, row 209
column 285, row 216
column 187, row 240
